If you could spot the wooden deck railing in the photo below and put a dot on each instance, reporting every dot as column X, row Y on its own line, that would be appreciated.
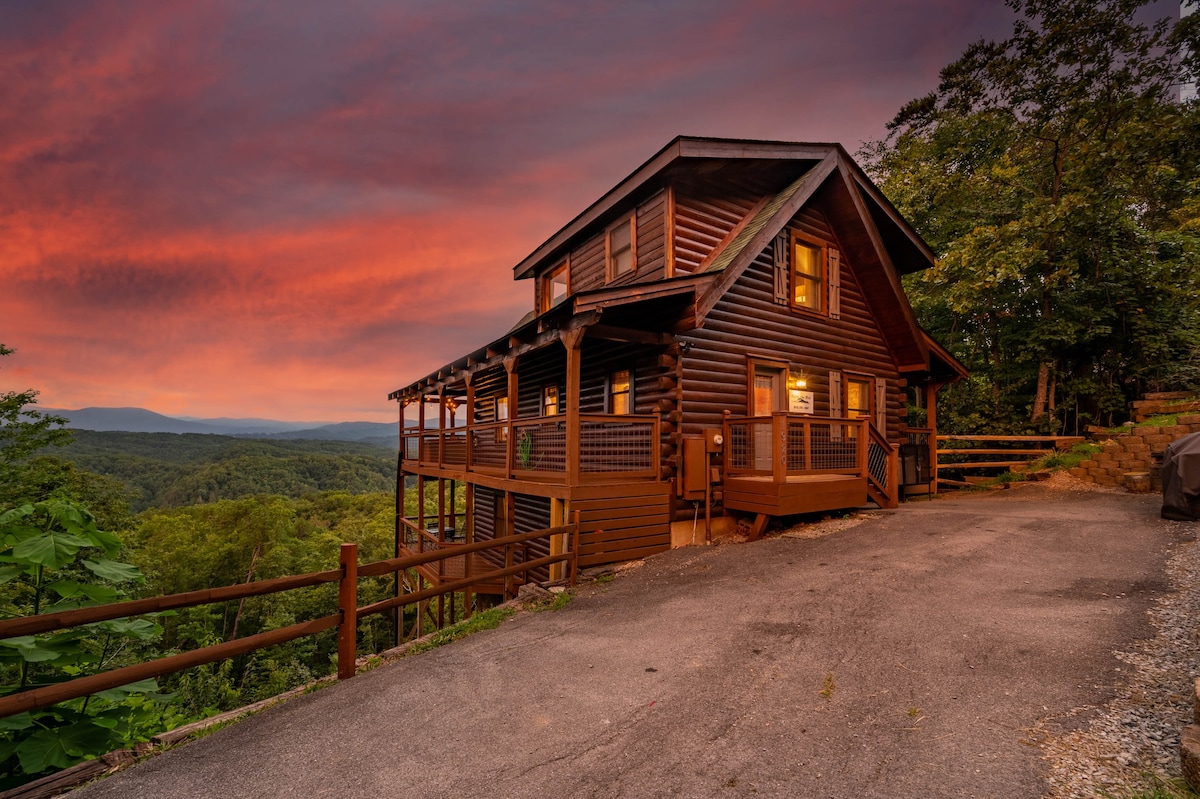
column 610, row 446
column 345, row 619
column 784, row 444
column 788, row 444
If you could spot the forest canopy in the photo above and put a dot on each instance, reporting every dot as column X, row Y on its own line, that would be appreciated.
column 1055, row 174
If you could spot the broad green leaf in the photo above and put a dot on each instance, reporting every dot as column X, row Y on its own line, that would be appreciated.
column 9, row 573
column 142, row 629
column 76, row 594
column 31, row 649
column 21, row 721
column 10, row 516
column 62, row 746
column 113, row 570
column 110, row 543
column 121, row 692
column 52, row 550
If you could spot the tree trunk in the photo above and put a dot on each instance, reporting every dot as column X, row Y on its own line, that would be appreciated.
column 1039, row 398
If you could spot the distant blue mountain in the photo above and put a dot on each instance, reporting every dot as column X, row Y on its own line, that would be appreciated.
column 140, row 420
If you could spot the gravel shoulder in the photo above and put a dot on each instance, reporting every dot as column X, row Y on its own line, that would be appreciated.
column 984, row 646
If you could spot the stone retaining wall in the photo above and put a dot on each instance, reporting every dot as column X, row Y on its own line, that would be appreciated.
column 1128, row 459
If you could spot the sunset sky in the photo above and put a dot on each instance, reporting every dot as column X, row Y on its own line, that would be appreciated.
column 288, row 209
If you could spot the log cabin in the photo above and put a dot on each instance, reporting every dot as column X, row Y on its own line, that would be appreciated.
column 723, row 335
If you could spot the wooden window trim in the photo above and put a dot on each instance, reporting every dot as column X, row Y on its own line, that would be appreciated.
column 629, row 219
column 822, row 287
column 632, row 387
column 547, row 391
column 752, row 362
column 858, row 377
column 547, row 283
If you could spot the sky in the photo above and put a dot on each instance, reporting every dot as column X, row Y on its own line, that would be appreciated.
column 287, row 209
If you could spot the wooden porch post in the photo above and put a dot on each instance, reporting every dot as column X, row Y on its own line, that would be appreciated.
column 779, row 447
column 421, row 429
column 441, row 427
column 510, row 365
column 931, row 390
column 347, row 635
column 470, row 417
column 572, row 340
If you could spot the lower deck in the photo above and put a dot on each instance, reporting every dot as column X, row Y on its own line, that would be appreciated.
column 805, row 493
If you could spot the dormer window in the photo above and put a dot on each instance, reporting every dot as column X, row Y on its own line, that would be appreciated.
column 620, row 248
column 556, row 285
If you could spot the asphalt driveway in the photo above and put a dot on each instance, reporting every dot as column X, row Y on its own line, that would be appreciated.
column 911, row 655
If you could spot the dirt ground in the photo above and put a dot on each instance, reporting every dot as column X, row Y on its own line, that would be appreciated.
column 910, row 653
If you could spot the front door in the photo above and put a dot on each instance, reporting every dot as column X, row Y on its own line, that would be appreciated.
column 768, row 395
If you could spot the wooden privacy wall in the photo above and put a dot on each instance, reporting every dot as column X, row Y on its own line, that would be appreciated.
column 622, row 522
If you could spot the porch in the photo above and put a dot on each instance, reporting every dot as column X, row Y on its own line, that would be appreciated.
column 610, row 448
column 785, row 464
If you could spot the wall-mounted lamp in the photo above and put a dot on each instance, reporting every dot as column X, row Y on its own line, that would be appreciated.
column 797, row 381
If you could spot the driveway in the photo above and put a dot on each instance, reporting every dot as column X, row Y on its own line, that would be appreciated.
column 910, row 655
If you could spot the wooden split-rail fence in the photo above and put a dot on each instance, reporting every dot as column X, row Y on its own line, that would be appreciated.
column 345, row 619
column 984, row 453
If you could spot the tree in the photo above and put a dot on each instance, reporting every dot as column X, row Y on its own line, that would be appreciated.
column 23, row 432
column 1055, row 175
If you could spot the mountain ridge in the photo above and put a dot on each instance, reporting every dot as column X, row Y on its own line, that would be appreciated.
column 141, row 420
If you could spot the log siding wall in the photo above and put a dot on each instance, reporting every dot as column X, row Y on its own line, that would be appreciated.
column 748, row 322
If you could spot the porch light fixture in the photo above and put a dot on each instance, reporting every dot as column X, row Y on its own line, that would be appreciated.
column 797, row 381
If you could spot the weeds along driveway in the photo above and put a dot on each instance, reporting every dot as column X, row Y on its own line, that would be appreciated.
column 908, row 656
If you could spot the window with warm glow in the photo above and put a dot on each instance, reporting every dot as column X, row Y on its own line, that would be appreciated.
column 620, row 393
column 858, row 398
column 555, row 287
column 550, row 401
column 501, row 416
column 807, row 275
column 620, row 250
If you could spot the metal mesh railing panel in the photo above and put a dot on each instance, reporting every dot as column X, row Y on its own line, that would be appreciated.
column 616, row 446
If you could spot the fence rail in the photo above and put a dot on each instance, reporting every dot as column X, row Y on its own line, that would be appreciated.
column 1020, row 453
column 345, row 619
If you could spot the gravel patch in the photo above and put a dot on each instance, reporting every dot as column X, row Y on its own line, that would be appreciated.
column 1133, row 740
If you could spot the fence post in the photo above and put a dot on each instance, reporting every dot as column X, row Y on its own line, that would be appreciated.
column 575, row 551
column 348, row 605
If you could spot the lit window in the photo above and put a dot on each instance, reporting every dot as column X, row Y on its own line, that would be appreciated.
column 621, row 392
column 502, row 416
column 555, row 287
column 858, row 398
column 550, row 401
column 807, row 268
column 620, row 249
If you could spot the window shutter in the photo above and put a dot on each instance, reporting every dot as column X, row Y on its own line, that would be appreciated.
column 835, row 284
column 835, row 394
column 881, row 405
column 781, row 269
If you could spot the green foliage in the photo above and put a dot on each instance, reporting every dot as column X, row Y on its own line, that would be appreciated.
column 53, row 557
column 1056, row 178
column 169, row 470
column 23, row 431
column 556, row 602
column 234, row 541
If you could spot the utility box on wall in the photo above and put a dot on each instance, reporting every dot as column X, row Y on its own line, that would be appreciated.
column 695, row 468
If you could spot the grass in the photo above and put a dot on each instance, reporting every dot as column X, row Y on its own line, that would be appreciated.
column 604, row 578
column 1157, row 789
column 487, row 620
column 556, row 602
column 829, row 687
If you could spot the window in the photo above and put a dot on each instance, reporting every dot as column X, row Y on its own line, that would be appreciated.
column 808, row 268
column 620, row 392
column 858, row 397
column 620, row 249
column 555, row 286
column 550, row 401
column 502, row 416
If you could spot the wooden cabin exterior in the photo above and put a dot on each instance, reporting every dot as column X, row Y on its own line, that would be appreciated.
column 722, row 334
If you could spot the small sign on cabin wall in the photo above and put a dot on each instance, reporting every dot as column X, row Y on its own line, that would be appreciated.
column 800, row 401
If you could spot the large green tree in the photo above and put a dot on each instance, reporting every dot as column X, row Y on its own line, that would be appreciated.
column 1056, row 176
